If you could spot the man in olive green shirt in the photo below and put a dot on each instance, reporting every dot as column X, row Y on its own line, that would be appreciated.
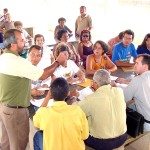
column 16, row 74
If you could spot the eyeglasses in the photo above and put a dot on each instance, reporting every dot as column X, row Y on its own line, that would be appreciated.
column 128, row 39
column 85, row 36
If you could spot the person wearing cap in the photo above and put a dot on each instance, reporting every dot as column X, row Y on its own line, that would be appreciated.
column 105, row 110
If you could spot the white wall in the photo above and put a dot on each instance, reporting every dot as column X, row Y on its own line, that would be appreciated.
column 109, row 16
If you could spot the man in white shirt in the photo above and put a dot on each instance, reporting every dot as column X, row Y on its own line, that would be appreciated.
column 139, row 88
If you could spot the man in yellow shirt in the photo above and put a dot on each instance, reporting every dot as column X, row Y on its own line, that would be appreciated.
column 64, row 126
column 105, row 110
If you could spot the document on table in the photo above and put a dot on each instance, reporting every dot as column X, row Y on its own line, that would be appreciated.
column 38, row 103
column 123, row 86
column 84, row 92
column 113, row 78
column 86, row 83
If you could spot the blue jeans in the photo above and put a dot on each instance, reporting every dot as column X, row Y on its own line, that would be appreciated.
column 38, row 140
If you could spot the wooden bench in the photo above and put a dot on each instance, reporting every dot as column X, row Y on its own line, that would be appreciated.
column 129, row 141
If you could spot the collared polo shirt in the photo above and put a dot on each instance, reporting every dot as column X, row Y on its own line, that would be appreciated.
column 83, row 23
column 105, row 110
column 16, row 74
column 64, row 126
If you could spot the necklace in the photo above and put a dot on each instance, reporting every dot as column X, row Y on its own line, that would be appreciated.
column 97, row 60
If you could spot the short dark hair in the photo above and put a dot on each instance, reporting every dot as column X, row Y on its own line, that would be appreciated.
column 5, row 9
column 18, row 23
column 83, row 7
column 120, row 35
column 103, row 45
column 145, row 39
column 38, row 35
column 130, row 32
column 59, row 89
column 9, row 37
column 146, row 59
column 61, row 19
column 60, row 33
column 36, row 47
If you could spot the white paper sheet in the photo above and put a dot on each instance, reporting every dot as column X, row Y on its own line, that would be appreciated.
column 113, row 78
column 83, row 93
column 38, row 103
column 123, row 86
column 42, row 89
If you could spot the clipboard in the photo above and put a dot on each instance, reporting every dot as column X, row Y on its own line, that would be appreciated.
column 86, row 83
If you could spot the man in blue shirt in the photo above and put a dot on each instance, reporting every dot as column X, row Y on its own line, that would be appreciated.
column 123, row 51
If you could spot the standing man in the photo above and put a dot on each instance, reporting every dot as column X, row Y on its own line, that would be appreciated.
column 83, row 22
column 123, row 51
column 7, row 24
column 105, row 111
column 139, row 88
column 16, row 74
column 3, row 17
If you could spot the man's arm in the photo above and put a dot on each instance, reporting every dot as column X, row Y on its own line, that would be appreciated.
column 130, row 90
column 46, row 100
column 85, row 128
column 124, row 64
column 76, row 26
column 90, row 23
column 49, row 70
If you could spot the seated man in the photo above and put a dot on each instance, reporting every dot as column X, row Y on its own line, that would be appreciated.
column 67, row 69
column 139, row 87
column 34, row 56
column 64, row 126
column 123, row 51
column 105, row 110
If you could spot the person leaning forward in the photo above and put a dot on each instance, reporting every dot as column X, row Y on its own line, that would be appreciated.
column 105, row 110
column 16, row 74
